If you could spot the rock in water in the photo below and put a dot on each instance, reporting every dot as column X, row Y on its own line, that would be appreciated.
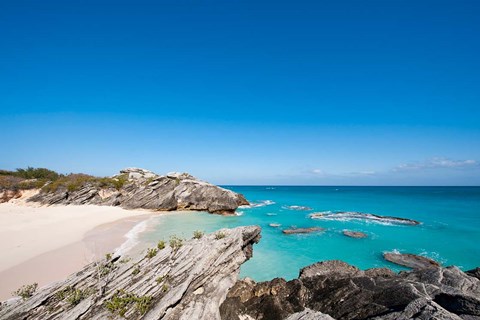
column 136, row 188
column 185, row 281
column 348, row 216
column 411, row 260
column 303, row 230
column 354, row 234
column 342, row 291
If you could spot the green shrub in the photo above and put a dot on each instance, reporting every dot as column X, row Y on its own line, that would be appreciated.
column 220, row 235
column 161, row 245
column 26, row 291
column 151, row 252
column 136, row 270
column 175, row 242
column 198, row 234
column 72, row 296
column 121, row 302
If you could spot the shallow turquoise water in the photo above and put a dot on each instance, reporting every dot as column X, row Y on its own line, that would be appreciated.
column 449, row 233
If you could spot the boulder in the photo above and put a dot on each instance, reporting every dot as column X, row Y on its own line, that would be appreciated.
column 354, row 234
column 303, row 230
column 410, row 260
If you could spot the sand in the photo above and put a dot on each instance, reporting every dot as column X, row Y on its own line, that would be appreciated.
column 46, row 244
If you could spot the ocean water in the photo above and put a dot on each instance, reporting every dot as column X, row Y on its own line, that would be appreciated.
column 449, row 233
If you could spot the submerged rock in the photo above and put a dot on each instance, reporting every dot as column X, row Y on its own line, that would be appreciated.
column 342, row 291
column 348, row 216
column 411, row 260
column 354, row 234
column 274, row 225
column 143, row 189
column 303, row 230
column 297, row 208
column 184, row 281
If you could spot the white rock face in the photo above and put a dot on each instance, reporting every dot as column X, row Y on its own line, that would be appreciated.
column 189, row 282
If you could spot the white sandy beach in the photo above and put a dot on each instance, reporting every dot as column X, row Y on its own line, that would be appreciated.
column 45, row 244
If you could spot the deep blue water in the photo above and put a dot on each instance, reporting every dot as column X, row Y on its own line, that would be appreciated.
column 449, row 233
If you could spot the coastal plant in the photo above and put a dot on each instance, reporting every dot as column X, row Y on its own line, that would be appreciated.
column 136, row 270
column 220, row 235
column 151, row 252
column 125, row 260
column 72, row 296
column 108, row 256
column 175, row 242
column 121, row 302
column 26, row 291
column 161, row 245
column 165, row 287
column 198, row 234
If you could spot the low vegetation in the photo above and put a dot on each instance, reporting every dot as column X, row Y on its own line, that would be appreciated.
column 151, row 252
column 175, row 242
column 51, row 181
column 198, row 234
column 161, row 245
column 26, row 291
column 121, row 302
column 220, row 235
column 72, row 296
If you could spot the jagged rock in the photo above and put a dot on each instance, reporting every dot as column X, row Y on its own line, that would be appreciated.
column 308, row 314
column 354, row 234
column 346, row 216
column 189, row 282
column 410, row 260
column 147, row 190
column 345, row 292
column 303, row 230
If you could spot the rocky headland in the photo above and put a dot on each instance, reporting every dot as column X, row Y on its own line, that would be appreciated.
column 134, row 188
column 197, row 279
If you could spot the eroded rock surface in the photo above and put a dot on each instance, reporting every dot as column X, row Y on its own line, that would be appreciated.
column 354, row 234
column 303, row 230
column 184, row 282
column 144, row 189
column 342, row 291
column 410, row 260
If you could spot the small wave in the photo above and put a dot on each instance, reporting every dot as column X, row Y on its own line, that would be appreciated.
column 239, row 213
column 258, row 204
column 270, row 188
column 132, row 238
column 271, row 214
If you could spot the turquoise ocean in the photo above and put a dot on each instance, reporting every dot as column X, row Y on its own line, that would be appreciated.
column 449, row 232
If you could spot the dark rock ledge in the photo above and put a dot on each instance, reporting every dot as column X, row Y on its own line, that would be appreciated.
column 345, row 292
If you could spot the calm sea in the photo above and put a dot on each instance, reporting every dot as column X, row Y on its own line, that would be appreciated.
column 449, row 233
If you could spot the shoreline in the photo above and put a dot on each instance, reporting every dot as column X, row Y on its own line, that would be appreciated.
column 47, row 244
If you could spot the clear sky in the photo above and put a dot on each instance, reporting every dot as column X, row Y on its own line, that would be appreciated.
column 245, row 92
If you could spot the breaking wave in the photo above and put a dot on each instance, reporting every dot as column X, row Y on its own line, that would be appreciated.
column 258, row 204
column 364, row 217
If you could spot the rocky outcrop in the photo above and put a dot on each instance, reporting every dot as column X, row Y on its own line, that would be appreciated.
column 143, row 189
column 181, row 281
column 303, row 230
column 344, row 292
column 348, row 216
column 354, row 234
column 410, row 260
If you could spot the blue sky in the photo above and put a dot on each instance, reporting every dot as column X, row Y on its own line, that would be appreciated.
column 245, row 92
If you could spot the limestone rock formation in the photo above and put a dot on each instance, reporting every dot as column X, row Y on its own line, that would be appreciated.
column 410, row 260
column 342, row 291
column 354, row 234
column 303, row 230
column 142, row 189
column 181, row 281
column 347, row 216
